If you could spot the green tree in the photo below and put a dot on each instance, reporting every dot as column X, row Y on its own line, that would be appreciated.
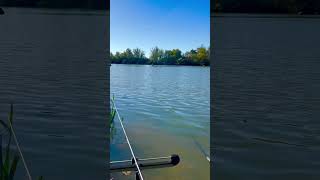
column 139, row 56
column 156, row 55
column 127, row 56
column 111, row 56
column 116, row 58
column 202, row 56
column 171, row 57
column 176, row 54
column 138, row 53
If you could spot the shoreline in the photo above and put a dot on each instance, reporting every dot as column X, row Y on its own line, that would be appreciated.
column 172, row 65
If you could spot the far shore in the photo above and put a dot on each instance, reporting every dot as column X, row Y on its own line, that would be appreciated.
column 171, row 65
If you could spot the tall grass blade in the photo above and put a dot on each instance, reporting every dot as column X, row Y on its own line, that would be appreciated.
column 13, row 167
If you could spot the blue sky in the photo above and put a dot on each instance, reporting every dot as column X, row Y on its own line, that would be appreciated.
column 168, row 24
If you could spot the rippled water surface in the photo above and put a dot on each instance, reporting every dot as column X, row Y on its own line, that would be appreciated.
column 165, row 111
column 52, row 68
column 266, row 101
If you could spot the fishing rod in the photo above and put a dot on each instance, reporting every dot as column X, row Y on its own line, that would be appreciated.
column 134, row 159
column 136, row 164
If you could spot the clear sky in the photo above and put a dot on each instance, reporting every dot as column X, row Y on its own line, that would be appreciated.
column 168, row 24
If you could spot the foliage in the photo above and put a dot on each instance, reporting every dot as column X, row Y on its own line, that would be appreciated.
column 155, row 55
column 198, row 57
column 113, row 114
column 111, row 119
column 135, row 56
column 9, row 165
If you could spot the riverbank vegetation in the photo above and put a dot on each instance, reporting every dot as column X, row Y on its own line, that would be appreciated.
column 9, row 160
column 112, row 118
column 194, row 57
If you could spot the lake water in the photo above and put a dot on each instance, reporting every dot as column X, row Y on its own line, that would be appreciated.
column 166, row 111
column 53, row 68
column 266, row 102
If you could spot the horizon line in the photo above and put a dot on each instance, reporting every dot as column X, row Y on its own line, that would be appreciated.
column 208, row 46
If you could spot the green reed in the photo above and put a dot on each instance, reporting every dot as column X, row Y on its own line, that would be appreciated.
column 8, row 159
column 113, row 114
column 112, row 118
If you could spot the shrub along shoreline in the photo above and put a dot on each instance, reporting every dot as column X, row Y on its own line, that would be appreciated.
column 197, row 57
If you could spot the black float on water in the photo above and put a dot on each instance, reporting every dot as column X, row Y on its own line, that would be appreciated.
column 1, row 11
column 150, row 163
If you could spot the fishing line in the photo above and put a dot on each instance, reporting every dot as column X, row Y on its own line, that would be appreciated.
column 201, row 149
column 20, row 152
column 125, row 134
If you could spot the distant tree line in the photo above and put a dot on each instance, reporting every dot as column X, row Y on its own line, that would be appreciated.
column 81, row 4
column 197, row 57
column 267, row 6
